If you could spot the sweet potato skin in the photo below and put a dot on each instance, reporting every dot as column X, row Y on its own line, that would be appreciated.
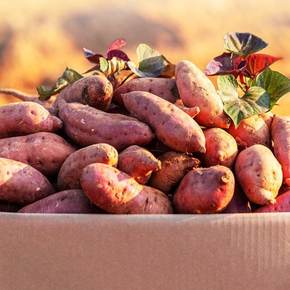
column 251, row 131
column 70, row 172
column 21, row 183
column 280, row 131
column 174, row 166
column 259, row 174
column 26, row 118
column 172, row 126
column 221, row 148
column 282, row 204
column 239, row 203
column 138, row 163
column 95, row 91
column 44, row 151
column 67, row 201
column 161, row 87
column 116, row 192
column 86, row 126
column 205, row 190
column 196, row 89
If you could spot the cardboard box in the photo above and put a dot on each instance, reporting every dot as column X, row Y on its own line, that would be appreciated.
column 177, row 252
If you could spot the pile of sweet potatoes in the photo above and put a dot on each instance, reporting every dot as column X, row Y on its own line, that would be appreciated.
column 153, row 145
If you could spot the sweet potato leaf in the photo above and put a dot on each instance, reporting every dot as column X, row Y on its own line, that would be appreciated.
column 69, row 76
column 243, row 43
column 118, row 54
column 117, row 44
column 275, row 83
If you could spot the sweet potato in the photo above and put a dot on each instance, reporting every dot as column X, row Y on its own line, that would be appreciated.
column 196, row 89
column 70, row 172
column 44, row 151
column 192, row 112
column 174, row 166
column 239, row 203
column 21, row 183
column 96, row 91
column 26, row 118
column 86, row 126
column 281, row 137
column 161, row 87
column 67, row 201
column 172, row 126
column 205, row 190
column 221, row 148
column 259, row 174
column 138, row 163
column 8, row 207
column 116, row 192
column 268, row 118
column 251, row 131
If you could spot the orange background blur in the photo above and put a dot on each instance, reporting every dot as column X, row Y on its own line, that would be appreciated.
column 39, row 38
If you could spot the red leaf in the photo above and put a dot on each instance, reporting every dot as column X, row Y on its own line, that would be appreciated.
column 117, row 53
column 117, row 44
column 258, row 62
column 92, row 56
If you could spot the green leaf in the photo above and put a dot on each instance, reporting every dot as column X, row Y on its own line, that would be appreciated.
column 144, row 51
column 255, row 101
column 275, row 83
column 104, row 64
column 243, row 43
column 69, row 76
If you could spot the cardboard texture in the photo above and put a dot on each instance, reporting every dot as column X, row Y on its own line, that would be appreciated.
column 180, row 252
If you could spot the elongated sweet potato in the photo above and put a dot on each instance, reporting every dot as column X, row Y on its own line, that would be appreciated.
column 26, row 118
column 205, row 190
column 172, row 126
column 221, row 148
column 161, row 87
column 44, row 151
column 96, row 91
column 70, row 172
column 281, row 137
column 251, row 131
column 174, row 166
column 67, row 201
column 259, row 174
column 21, row 183
column 86, row 126
column 196, row 89
column 282, row 204
column 138, row 163
column 116, row 192
column 239, row 203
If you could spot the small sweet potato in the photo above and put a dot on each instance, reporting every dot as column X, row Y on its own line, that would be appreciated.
column 174, row 166
column 259, row 174
column 172, row 126
column 138, row 163
column 196, row 89
column 251, row 131
column 67, row 201
column 205, row 190
column 161, row 87
column 239, row 203
column 96, row 91
column 26, row 118
column 44, row 151
column 221, row 148
column 70, row 172
column 116, row 192
column 281, row 137
column 21, row 183
column 86, row 126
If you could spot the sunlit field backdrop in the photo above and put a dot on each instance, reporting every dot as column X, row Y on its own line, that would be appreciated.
column 39, row 38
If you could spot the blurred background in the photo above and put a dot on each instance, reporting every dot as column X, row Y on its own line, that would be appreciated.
column 39, row 38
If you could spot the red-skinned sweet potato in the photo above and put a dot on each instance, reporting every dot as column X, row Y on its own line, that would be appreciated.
column 281, row 137
column 205, row 190
column 195, row 89
column 70, row 172
column 172, row 126
column 259, row 174
column 116, row 192
column 44, row 151
column 138, row 163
